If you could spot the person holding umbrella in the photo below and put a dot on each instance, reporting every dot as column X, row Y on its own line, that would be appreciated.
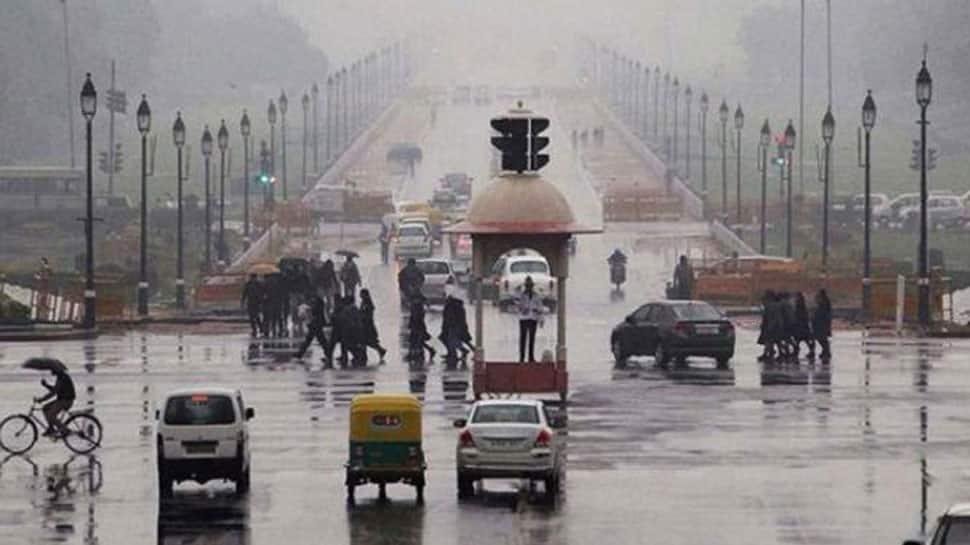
column 61, row 393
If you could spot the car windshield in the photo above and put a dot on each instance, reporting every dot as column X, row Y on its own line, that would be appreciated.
column 199, row 410
column 433, row 267
column 529, row 267
column 495, row 414
column 696, row 311
column 412, row 231
column 957, row 532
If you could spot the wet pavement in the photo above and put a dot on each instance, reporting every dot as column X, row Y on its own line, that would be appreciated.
column 864, row 450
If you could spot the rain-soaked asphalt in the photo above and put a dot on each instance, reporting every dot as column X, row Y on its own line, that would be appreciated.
column 861, row 451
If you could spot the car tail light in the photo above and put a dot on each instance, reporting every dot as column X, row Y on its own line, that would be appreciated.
column 465, row 438
column 543, row 439
column 683, row 328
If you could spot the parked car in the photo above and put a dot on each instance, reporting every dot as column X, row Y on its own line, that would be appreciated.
column 889, row 214
column 509, row 439
column 202, row 435
column 674, row 330
column 877, row 202
column 509, row 274
column 413, row 240
column 437, row 273
column 952, row 528
column 942, row 211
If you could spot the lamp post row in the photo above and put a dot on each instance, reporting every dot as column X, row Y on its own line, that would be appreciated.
column 376, row 79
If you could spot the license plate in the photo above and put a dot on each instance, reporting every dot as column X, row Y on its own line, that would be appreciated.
column 707, row 329
column 200, row 447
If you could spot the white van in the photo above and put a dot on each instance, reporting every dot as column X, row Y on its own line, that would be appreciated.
column 202, row 435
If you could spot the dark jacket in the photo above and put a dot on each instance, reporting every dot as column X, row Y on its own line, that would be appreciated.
column 63, row 388
column 822, row 319
column 803, row 328
column 253, row 294
column 368, row 327
column 327, row 277
column 454, row 322
column 418, row 330
column 410, row 279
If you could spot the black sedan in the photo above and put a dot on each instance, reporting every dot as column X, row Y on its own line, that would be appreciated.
column 674, row 330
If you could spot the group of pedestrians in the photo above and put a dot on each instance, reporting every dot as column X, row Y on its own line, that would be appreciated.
column 786, row 324
column 349, row 325
column 454, row 334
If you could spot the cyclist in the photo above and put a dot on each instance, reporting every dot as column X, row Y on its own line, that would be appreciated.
column 62, row 393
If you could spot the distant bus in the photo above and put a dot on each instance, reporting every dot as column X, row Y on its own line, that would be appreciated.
column 49, row 188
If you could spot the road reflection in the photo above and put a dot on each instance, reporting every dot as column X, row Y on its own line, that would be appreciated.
column 394, row 522
column 197, row 517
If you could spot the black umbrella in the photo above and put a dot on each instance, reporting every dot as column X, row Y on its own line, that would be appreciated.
column 45, row 364
column 347, row 253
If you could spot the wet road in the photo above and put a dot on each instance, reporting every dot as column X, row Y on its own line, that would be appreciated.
column 768, row 454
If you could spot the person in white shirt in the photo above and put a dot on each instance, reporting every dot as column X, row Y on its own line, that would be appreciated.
column 530, row 314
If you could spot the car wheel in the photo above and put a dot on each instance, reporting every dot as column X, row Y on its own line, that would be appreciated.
column 242, row 482
column 618, row 353
column 722, row 361
column 164, row 483
column 660, row 355
column 552, row 487
column 466, row 486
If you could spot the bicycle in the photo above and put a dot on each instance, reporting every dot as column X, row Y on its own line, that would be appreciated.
column 81, row 432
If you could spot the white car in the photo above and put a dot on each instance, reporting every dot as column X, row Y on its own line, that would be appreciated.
column 437, row 273
column 506, row 439
column 952, row 528
column 203, row 435
column 941, row 211
column 509, row 274
column 413, row 240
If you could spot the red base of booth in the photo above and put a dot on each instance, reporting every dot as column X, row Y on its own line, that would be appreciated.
column 504, row 377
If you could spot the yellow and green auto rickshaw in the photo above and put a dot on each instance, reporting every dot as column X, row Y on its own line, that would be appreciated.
column 385, row 443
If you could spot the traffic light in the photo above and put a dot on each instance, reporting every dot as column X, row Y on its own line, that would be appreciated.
column 520, row 143
column 118, row 158
column 103, row 162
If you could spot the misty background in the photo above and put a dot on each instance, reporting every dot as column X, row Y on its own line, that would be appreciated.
column 210, row 59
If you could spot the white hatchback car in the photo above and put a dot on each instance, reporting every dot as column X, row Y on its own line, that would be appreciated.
column 202, row 435
column 505, row 439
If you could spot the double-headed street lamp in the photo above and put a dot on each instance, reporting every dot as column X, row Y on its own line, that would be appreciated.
column 763, row 143
column 89, row 106
column 789, row 148
column 144, row 120
column 924, row 95
column 705, row 105
column 245, row 129
column 828, row 134
column 306, row 114
column 223, row 140
column 723, row 114
column 178, row 138
column 206, row 147
column 284, row 105
column 868, row 123
column 738, row 125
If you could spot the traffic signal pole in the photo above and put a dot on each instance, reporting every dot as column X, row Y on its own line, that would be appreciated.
column 111, row 135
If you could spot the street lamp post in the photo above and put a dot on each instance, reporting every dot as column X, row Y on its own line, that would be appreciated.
column 89, row 106
column 676, row 108
column 656, row 107
column 271, row 117
column 284, row 104
column 244, row 129
column 223, row 140
column 868, row 122
column 705, row 105
column 315, row 92
column 666, row 139
column 924, row 95
column 790, row 136
column 344, row 110
column 306, row 129
column 723, row 113
column 207, row 154
column 738, row 125
column 144, row 119
column 635, row 117
column 328, row 121
column 764, row 142
column 645, row 107
column 828, row 134
column 178, row 137
column 688, row 95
